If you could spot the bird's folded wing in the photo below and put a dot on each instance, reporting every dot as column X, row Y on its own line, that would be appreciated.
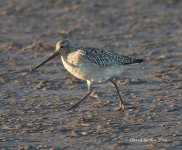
column 106, row 59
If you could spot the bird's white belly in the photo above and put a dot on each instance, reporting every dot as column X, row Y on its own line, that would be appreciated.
column 106, row 73
column 91, row 72
column 113, row 72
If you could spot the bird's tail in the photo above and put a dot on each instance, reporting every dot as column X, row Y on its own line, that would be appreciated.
column 133, row 61
column 138, row 60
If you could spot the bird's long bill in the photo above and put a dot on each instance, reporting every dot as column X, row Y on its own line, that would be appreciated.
column 51, row 57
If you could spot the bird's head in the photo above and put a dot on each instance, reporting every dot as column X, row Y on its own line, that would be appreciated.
column 62, row 48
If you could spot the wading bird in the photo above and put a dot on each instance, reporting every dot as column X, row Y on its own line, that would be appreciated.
column 92, row 65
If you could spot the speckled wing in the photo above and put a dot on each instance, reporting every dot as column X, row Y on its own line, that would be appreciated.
column 106, row 59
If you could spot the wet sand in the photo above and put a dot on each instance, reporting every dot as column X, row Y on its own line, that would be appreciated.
column 33, row 104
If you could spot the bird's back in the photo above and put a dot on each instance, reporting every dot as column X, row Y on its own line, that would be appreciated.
column 107, row 59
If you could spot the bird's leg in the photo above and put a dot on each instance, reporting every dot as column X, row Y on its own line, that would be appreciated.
column 88, row 93
column 121, row 104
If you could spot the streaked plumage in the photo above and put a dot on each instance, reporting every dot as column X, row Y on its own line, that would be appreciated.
column 107, row 59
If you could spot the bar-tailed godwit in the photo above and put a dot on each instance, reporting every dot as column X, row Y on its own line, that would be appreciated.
column 92, row 65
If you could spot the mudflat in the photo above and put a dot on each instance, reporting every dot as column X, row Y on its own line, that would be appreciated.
column 33, row 104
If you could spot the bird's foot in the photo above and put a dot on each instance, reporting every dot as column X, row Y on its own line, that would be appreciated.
column 77, row 104
column 94, row 95
column 73, row 107
column 120, row 108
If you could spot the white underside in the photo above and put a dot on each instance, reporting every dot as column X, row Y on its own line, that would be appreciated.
column 89, row 71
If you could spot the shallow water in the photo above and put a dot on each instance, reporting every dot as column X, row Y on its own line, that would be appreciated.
column 33, row 104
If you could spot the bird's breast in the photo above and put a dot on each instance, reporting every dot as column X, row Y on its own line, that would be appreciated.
column 86, row 70
column 75, row 66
